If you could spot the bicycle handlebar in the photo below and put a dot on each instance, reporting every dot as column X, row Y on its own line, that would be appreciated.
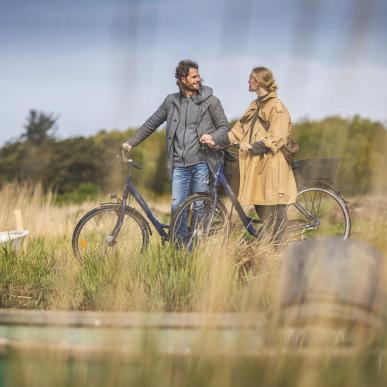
column 223, row 147
column 127, row 160
column 235, row 145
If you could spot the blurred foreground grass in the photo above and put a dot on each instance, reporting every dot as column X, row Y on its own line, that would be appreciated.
column 303, row 368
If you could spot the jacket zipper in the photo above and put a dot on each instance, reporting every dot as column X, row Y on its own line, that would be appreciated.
column 185, row 129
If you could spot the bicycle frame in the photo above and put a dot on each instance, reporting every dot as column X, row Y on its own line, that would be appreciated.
column 219, row 177
column 130, row 188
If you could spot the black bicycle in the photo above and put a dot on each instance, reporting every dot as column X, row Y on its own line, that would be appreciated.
column 320, row 209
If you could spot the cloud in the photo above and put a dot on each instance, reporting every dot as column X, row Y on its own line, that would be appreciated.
column 111, row 63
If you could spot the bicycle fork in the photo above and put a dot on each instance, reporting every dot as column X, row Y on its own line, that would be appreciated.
column 212, row 212
column 111, row 239
column 314, row 221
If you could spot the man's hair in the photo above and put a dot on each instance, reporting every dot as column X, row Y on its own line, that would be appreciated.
column 182, row 70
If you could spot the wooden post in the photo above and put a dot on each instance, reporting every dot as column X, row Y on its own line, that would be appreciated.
column 19, row 220
column 331, row 292
column 21, row 244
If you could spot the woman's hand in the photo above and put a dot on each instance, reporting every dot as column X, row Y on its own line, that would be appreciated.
column 207, row 139
column 245, row 147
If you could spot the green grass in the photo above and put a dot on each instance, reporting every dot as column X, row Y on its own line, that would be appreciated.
column 239, row 277
column 27, row 279
column 47, row 275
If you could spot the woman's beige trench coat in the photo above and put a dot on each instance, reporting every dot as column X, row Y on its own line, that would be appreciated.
column 265, row 179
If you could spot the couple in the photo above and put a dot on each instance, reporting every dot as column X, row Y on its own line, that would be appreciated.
column 195, row 116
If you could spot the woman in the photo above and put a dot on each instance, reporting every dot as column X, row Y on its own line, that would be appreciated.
column 266, row 178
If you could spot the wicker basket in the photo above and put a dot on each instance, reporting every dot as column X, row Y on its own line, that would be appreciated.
column 315, row 170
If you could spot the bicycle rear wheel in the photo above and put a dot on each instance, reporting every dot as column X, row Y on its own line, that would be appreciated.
column 197, row 220
column 318, row 211
column 92, row 234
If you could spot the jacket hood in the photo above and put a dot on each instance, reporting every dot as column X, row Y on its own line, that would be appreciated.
column 205, row 92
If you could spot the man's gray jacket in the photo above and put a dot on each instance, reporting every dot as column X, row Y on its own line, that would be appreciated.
column 211, row 119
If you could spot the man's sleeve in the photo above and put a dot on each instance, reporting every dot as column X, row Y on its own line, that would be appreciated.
column 150, row 125
column 220, row 121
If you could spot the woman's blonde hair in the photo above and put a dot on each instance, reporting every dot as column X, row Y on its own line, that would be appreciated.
column 265, row 78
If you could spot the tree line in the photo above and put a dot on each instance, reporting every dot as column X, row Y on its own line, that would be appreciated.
column 78, row 167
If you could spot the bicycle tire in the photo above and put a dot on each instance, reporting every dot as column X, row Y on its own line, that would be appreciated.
column 318, row 211
column 133, row 237
column 199, row 227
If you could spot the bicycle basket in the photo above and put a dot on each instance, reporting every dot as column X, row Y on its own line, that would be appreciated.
column 315, row 170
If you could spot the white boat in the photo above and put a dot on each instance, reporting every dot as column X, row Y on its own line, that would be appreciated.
column 13, row 238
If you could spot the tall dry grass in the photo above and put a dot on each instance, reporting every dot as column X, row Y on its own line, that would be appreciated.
column 45, row 274
column 238, row 277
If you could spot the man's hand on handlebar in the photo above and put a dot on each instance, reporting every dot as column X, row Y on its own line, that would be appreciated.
column 208, row 140
column 126, row 147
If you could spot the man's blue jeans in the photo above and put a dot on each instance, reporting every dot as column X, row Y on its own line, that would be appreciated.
column 185, row 182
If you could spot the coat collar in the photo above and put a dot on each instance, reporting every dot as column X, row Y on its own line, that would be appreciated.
column 204, row 93
column 271, row 94
column 254, row 105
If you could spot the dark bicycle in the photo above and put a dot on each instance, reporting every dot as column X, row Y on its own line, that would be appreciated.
column 320, row 209
column 117, row 228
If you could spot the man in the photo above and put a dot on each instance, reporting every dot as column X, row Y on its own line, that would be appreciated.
column 189, row 114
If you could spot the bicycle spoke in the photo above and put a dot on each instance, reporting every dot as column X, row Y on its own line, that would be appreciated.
column 94, row 236
column 196, row 221
column 317, row 212
column 319, row 204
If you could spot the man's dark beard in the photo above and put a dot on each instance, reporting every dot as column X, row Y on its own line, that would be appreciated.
column 188, row 88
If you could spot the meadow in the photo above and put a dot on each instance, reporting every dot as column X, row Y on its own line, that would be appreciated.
column 240, row 277
column 46, row 275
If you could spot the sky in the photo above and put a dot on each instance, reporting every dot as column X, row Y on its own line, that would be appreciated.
column 108, row 64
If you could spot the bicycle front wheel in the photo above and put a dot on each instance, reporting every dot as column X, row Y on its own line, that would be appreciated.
column 92, row 234
column 318, row 211
column 198, row 220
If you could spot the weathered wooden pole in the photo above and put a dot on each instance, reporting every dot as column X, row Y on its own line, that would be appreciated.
column 330, row 292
